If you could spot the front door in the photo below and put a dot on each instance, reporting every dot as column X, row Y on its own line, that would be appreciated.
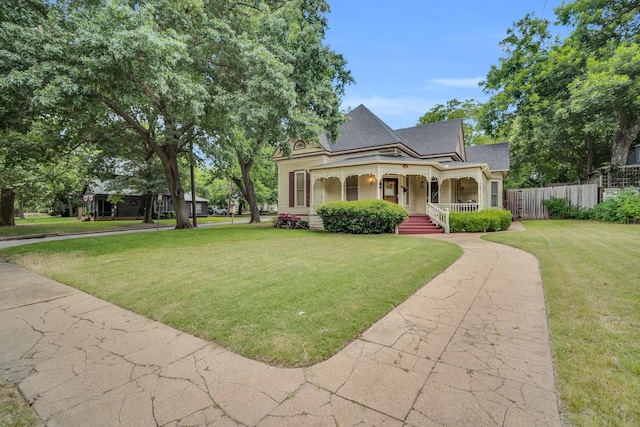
column 390, row 189
column 435, row 193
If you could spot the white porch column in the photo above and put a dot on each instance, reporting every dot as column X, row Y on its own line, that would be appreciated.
column 312, row 189
column 481, row 190
column 429, row 178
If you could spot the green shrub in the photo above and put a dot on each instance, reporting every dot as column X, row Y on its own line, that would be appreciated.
column 167, row 215
column 560, row 208
column 622, row 207
column 361, row 217
column 479, row 221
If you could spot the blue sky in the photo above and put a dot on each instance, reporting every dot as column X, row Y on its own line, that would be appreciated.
column 409, row 55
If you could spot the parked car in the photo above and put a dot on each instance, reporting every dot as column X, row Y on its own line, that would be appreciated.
column 219, row 211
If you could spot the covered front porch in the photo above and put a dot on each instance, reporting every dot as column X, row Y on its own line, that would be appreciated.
column 412, row 186
column 422, row 188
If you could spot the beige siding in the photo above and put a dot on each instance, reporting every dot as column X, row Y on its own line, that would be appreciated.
column 283, row 183
column 418, row 198
column 332, row 190
column 455, row 182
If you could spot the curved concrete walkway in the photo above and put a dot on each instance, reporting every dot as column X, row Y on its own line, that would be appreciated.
column 471, row 348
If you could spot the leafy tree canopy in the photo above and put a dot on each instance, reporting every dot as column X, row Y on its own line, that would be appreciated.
column 568, row 105
column 186, row 73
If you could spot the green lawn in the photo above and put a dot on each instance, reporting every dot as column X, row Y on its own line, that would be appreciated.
column 591, row 275
column 293, row 297
column 287, row 297
column 44, row 224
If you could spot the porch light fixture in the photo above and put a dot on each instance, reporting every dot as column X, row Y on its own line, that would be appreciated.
column 372, row 179
column 421, row 184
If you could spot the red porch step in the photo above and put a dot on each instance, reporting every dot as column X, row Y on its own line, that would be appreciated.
column 419, row 224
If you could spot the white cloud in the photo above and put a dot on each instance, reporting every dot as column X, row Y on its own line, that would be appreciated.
column 471, row 82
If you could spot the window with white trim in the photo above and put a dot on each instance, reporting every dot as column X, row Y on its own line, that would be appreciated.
column 352, row 188
column 494, row 194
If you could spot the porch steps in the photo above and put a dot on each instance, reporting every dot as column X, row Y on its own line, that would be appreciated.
column 315, row 222
column 419, row 224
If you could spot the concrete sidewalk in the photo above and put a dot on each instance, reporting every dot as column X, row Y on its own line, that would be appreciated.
column 471, row 348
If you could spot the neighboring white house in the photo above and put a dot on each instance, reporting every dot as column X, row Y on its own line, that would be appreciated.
column 419, row 168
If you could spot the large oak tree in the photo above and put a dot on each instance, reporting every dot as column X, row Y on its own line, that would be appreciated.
column 570, row 105
column 187, row 73
column 277, row 81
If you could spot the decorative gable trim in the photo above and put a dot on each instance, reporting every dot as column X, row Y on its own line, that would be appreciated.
column 391, row 152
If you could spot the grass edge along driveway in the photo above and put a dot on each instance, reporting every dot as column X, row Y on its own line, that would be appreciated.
column 590, row 273
column 285, row 297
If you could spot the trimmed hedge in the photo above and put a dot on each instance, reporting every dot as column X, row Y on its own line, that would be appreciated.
column 362, row 216
column 479, row 221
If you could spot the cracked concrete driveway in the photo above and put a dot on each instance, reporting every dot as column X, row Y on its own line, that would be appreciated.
column 470, row 348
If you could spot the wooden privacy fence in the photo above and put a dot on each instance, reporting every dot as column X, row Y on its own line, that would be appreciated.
column 526, row 203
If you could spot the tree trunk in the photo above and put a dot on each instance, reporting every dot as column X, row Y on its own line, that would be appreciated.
column 623, row 137
column 248, row 189
column 7, row 208
column 21, row 207
column 169, row 156
column 589, row 144
column 69, row 204
column 147, row 202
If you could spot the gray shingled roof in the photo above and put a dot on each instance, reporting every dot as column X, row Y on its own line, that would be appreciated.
column 494, row 155
column 433, row 138
column 103, row 187
column 365, row 130
column 362, row 130
column 187, row 198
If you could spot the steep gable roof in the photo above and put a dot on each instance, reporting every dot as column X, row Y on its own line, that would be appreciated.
column 362, row 130
column 433, row 138
column 494, row 155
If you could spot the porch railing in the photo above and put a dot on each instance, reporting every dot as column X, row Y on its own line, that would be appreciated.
column 457, row 207
column 438, row 216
